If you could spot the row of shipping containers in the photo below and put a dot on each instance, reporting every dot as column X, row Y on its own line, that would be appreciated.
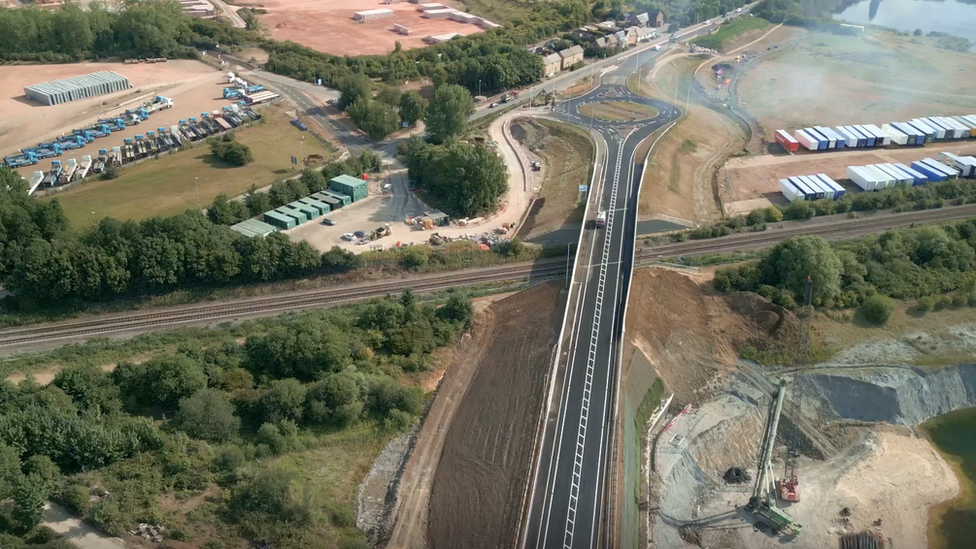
column 343, row 190
column 914, row 132
column 810, row 187
column 876, row 177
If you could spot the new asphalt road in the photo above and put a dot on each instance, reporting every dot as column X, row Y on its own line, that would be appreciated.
column 567, row 499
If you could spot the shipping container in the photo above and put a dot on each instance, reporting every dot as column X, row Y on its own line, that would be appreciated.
column 343, row 198
column 850, row 140
column 828, row 135
column 971, row 120
column 869, row 138
column 962, row 130
column 862, row 140
column 950, row 173
column 962, row 163
column 888, row 179
column 352, row 187
column 932, row 174
column 298, row 216
column 841, row 140
column 882, row 139
column 789, row 191
column 310, row 212
column 819, row 191
column 808, row 193
column 970, row 125
column 321, row 207
column 807, row 140
column 926, row 130
column 915, row 137
column 938, row 124
column 866, row 180
column 838, row 190
column 333, row 202
column 970, row 162
column 919, row 177
column 279, row 220
column 786, row 140
column 897, row 137
column 932, row 131
column 901, row 178
column 822, row 141
column 953, row 130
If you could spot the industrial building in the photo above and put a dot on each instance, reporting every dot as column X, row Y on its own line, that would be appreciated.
column 440, row 38
column 372, row 15
column 440, row 13
column 60, row 91
column 352, row 187
column 462, row 17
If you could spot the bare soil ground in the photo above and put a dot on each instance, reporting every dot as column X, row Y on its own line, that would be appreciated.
column 617, row 111
column 679, row 179
column 327, row 25
column 483, row 469
column 566, row 154
column 690, row 334
column 193, row 86
column 827, row 79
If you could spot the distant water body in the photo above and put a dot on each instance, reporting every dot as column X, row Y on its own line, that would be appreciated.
column 949, row 16
column 954, row 434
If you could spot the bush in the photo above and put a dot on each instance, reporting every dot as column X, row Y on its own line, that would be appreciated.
column 111, row 172
column 926, row 303
column 877, row 309
column 229, row 150
column 208, row 415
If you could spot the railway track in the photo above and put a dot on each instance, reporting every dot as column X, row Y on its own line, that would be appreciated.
column 833, row 230
column 107, row 325
column 277, row 304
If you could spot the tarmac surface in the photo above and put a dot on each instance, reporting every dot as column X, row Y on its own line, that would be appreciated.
column 567, row 506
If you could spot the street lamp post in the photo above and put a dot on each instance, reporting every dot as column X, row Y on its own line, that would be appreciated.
column 196, row 184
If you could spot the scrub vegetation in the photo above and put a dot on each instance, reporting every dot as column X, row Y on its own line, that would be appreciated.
column 263, row 433
column 730, row 31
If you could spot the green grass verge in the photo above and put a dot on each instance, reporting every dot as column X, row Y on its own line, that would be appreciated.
column 730, row 31
column 168, row 185
column 616, row 111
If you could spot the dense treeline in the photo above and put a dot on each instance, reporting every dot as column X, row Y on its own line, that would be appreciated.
column 676, row 12
column 88, row 439
column 42, row 263
column 465, row 180
column 925, row 261
column 142, row 29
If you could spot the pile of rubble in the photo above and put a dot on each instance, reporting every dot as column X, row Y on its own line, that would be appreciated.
column 698, row 49
column 151, row 532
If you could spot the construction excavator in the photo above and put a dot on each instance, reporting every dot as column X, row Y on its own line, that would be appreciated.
column 762, row 504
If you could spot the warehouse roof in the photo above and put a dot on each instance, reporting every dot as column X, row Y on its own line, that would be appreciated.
column 75, row 82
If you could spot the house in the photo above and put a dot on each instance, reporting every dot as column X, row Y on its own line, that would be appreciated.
column 552, row 63
column 633, row 34
column 621, row 38
column 638, row 19
column 571, row 56
column 601, row 42
column 643, row 34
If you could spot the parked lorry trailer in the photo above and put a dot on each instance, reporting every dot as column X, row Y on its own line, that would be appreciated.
column 789, row 191
column 950, row 173
column 931, row 134
column 822, row 142
column 20, row 160
column 787, row 141
column 70, row 168
column 865, row 178
column 919, row 177
column 808, row 141
column 965, row 164
column 971, row 126
column 834, row 141
column 933, row 175
column 44, row 150
column 836, row 187
column 84, row 167
column 853, row 139
column 34, row 182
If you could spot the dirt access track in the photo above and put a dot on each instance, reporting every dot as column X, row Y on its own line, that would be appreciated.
column 194, row 87
column 327, row 25
column 482, row 471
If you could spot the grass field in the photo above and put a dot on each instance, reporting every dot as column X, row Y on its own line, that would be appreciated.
column 828, row 80
column 617, row 111
column 730, row 31
column 567, row 153
column 168, row 185
column 499, row 11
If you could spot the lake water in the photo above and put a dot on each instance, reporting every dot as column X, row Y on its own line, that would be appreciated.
column 954, row 434
column 949, row 16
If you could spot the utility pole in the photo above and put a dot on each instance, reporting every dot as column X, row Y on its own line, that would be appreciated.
column 196, row 183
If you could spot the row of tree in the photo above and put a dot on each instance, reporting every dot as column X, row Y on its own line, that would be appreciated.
column 901, row 264
column 139, row 29
column 382, row 115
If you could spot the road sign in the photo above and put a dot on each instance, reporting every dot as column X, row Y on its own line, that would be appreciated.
column 583, row 188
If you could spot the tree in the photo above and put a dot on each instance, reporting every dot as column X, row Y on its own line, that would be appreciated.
column 285, row 399
column 448, row 112
column 377, row 119
column 29, row 501
column 335, row 399
column 313, row 180
column 268, row 495
column 412, row 106
column 257, row 202
column 389, row 95
column 208, row 415
column 163, row 380
column 353, row 88
column 789, row 263
column 877, row 309
column 229, row 150
column 227, row 212
column 89, row 387
column 369, row 161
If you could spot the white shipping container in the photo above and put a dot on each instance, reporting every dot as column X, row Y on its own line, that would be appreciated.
column 837, row 189
column 864, row 179
column 828, row 192
column 805, row 190
column 940, row 167
column 920, row 178
column 944, row 124
column 930, row 132
column 885, row 179
column 878, row 134
column 939, row 131
column 806, row 140
column 971, row 119
column 789, row 191
column 831, row 140
column 966, row 123
column 862, row 141
column 896, row 136
column 849, row 140
column 901, row 177
column 961, row 130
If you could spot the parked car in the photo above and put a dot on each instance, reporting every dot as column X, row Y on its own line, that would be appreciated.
column 349, row 236
column 359, row 234
column 328, row 221
column 493, row 105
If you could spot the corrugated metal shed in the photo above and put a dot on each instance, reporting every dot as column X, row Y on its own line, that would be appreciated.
column 352, row 187
column 63, row 90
